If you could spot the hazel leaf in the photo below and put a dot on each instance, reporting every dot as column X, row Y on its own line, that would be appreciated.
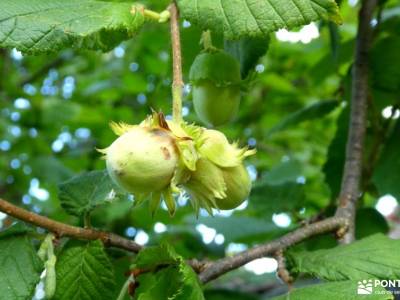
column 241, row 18
column 21, row 266
column 37, row 26
column 83, row 193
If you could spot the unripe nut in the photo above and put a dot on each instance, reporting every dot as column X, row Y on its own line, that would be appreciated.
column 216, row 80
column 215, row 105
column 238, row 186
column 142, row 160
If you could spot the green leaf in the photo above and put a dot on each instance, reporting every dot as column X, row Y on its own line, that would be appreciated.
column 50, row 169
column 82, row 193
column 369, row 221
column 376, row 256
column 267, row 199
column 20, row 266
column 333, row 167
column 151, row 257
column 56, row 111
column 287, row 171
column 311, row 112
column 385, row 64
column 246, row 228
column 16, row 229
column 248, row 52
column 84, row 272
column 331, row 62
column 334, row 37
column 170, row 278
column 37, row 26
column 188, row 242
column 240, row 18
column 191, row 288
column 158, row 285
column 334, row 291
column 278, row 190
column 389, row 163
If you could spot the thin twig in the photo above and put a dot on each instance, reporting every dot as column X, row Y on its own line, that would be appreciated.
column 350, row 188
column 282, row 271
column 61, row 229
column 177, row 82
column 224, row 265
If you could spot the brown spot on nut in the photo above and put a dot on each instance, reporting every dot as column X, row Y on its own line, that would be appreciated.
column 165, row 151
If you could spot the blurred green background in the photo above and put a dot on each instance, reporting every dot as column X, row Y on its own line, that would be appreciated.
column 55, row 111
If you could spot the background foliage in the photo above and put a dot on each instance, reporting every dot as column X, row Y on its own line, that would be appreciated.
column 55, row 109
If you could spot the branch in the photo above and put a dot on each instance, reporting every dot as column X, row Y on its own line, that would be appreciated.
column 208, row 271
column 350, row 188
column 177, row 82
column 61, row 229
column 224, row 265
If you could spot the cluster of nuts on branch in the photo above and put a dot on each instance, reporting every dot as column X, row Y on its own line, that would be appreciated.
column 157, row 158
